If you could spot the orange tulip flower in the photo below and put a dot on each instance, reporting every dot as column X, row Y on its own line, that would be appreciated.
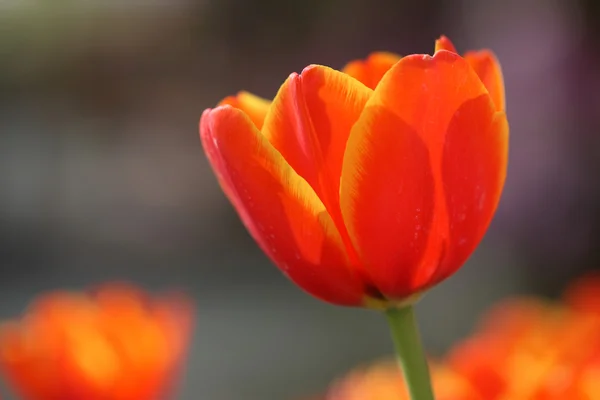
column 528, row 349
column 114, row 344
column 362, row 196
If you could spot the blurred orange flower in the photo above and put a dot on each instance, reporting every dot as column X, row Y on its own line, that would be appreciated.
column 384, row 381
column 367, row 197
column 116, row 343
column 523, row 349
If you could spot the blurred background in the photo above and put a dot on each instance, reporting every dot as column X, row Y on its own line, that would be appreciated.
column 102, row 176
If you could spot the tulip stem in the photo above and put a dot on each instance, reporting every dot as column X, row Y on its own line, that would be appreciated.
column 409, row 352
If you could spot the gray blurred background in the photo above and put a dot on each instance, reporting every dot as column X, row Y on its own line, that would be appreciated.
column 102, row 176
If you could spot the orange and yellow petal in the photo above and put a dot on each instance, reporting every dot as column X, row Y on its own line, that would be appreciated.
column 396, row 196
column 254, row 106
column 387, row 198
column 309, row 123
column 371, row 70
column 219, row 168
column 486, row 66
column 281, row 211
column 443, row 43
column 488, row 69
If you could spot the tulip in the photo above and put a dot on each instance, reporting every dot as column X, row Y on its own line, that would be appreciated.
column 368, row 186
column 113, row 344
column 528, row 349
column 367, row 197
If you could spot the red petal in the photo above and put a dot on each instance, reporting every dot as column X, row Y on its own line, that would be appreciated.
column 255, row 107
column 371, row 70
column 474, row 169
column 309, row 123
column 387, row 198
column 392, row 193
column 486, row 65
column 278, row 207
column 219, row 167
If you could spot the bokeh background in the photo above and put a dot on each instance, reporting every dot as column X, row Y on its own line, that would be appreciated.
column 102, row 176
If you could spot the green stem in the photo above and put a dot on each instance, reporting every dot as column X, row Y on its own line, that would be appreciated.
column 409, row 351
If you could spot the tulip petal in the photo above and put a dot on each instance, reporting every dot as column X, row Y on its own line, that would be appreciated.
column 219, row 167
column 309, row 123
column 371, row 70
column 443, row 43
column 392, row 193
column 255, row 107
column 387, row 198
column 486, row 65
column 473, row 169
column 278, row 207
